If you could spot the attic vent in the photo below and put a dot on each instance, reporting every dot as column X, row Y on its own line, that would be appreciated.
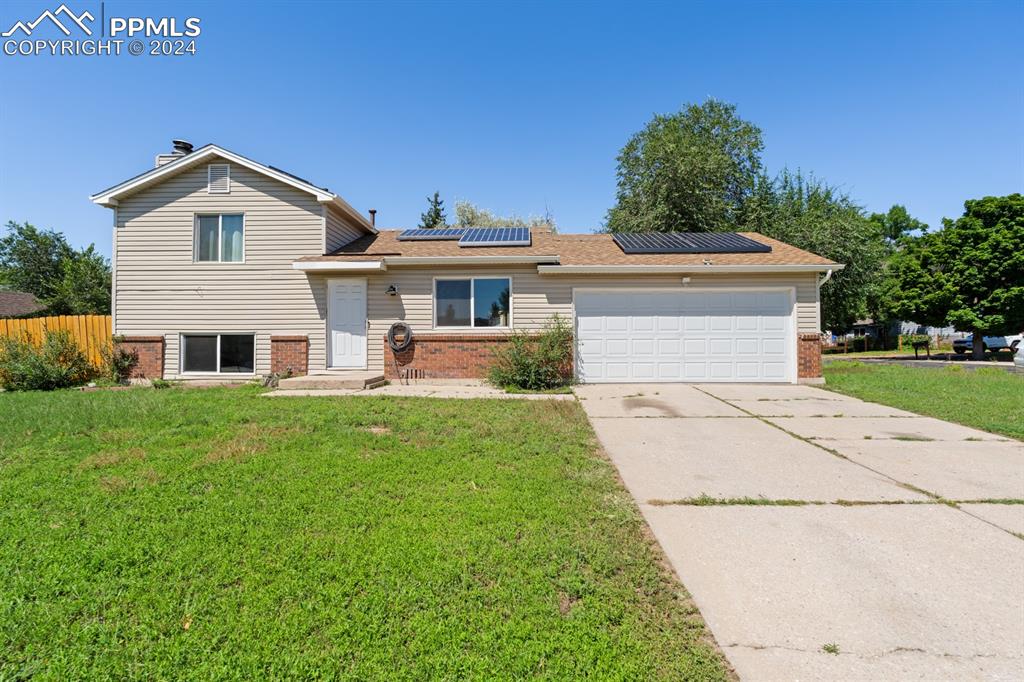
column 219, row 178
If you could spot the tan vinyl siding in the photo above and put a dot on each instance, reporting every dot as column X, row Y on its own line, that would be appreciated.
column 535, row 298
column 162, row 291
column 339, row 231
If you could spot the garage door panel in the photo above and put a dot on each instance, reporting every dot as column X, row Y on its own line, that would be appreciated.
column 684, row 336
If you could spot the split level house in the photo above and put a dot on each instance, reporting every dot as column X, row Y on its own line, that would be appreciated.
column 225, row 267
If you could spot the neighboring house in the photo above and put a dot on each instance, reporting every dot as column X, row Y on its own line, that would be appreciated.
column 226, row 267
column 18, row 304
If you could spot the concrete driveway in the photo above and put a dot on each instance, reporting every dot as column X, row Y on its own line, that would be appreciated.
column 806, row 523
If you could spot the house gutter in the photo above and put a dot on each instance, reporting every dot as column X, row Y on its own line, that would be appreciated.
column 387, row 261
column 680, row 269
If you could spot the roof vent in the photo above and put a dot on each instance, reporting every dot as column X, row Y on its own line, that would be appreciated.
column 182, row 146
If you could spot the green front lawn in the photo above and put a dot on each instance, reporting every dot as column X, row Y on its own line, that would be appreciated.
column 987, row 398
column 210, row 534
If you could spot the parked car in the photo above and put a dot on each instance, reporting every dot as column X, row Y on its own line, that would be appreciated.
column 992, row 343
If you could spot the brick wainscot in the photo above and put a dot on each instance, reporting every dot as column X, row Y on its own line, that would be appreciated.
column 150, row 353
column 444, row 356
column 289, row 353
column 809, row 358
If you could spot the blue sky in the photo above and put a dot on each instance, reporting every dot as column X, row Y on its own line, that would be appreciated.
column 522, row 107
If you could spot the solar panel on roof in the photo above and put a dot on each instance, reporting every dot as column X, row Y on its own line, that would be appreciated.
column 496, row 236
column 687, row 242
column 433, row 234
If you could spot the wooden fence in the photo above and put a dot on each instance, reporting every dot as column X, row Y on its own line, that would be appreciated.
column 92, row 332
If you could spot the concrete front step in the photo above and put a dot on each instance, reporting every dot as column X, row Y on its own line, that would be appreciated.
column 329, row 380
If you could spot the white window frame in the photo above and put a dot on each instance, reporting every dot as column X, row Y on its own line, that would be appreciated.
column 220, row 237
column 181, row 352
column 472, row 299
column 209, row 179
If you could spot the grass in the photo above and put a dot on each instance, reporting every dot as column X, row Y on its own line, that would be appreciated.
column 987, row 398
column 217, row 534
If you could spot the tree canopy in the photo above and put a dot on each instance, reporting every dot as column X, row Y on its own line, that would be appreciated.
column 468, row 214
column 690, row 171
column 434, row 217
column 897, row 222
column 812, row 215
column 970, row 274
column 65, row 280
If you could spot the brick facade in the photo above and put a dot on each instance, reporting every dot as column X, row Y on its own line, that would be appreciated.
column 150, row 352
column 809, row 356
column 444, row 356
column 289, row 352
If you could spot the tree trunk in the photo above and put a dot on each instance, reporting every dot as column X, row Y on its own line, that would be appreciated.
column 979, row 346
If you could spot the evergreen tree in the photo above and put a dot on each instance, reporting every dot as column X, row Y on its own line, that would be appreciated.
column 434, row 217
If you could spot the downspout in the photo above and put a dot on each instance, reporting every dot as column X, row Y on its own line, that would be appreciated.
column 827, row 277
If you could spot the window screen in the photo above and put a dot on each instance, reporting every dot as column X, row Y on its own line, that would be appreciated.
column 200, row 354
column 451, row 306
column 236, row 353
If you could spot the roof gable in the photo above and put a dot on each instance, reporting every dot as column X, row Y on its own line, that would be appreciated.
column 110, row 196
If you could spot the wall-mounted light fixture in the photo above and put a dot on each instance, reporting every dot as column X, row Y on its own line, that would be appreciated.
column 392, row 290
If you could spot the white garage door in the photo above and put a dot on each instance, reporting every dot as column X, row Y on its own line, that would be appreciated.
column 723, row 335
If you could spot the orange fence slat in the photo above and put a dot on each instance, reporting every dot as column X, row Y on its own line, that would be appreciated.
column 90, row 332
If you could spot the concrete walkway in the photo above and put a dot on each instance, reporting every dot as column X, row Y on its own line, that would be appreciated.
column 422, row 391
column 804, row 522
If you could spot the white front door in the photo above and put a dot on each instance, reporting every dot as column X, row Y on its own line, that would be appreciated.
column 720, row 335
column 346, row 322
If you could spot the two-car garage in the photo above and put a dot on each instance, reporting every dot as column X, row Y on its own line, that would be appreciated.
column 680, row 335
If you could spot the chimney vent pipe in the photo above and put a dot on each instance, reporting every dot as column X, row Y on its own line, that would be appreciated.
column 373, row 217
column 182, row 146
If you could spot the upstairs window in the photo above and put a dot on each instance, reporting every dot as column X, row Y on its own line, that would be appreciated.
column 218, row 178
column 472, row 302
column 220, row 238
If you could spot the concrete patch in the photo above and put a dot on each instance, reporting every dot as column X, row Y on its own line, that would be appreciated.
column 651, row 400
column 905, row 591
column 767, row 392
column 818, row 407
column 964, row 470
column 1007, row 516
column 918, row 428
column 671, row 459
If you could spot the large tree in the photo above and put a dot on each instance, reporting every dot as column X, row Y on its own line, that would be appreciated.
column 970, row 274
column 434, row 217
column 812, row 215
column 32, row 260
column 897, row 222
column 688, row 171
column 41, row 262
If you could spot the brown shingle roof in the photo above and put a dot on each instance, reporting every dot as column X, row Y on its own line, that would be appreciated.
column 572, row 249
column 16, row 303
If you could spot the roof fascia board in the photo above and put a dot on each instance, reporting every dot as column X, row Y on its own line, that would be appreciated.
column 679, row 269
column 338, row 266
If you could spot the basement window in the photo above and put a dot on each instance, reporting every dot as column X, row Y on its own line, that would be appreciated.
column 218, row 353
column 472, row 302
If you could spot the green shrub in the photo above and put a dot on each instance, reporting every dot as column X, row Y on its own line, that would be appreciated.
column 118, row 362
column 57, row 363
column 908, row 340
column 535, row 362
column 161, row 384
